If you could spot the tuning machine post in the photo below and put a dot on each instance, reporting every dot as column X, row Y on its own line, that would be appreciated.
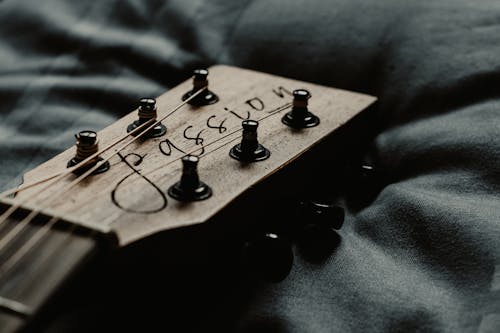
column 316, row 227
column 200, row 81
column 249, row 149
column 268, row 256
column 86, row 146
column 300, row 116
column 190, row 188
column 146, row 112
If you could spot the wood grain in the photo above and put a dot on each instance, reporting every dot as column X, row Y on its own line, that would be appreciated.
column 145, row 209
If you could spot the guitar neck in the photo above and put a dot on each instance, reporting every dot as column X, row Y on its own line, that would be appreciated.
column 35, row 264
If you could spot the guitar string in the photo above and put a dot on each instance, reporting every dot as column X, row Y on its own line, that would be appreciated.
column 38, row 236
column 55, row 177
column 69, row 170
column 277, row 110
column 59, row 175
column 93, row 156
column 23, row 223
column 237, row 129
column 271, row 113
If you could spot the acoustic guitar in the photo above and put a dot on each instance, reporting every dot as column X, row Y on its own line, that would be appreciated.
column 232, row 158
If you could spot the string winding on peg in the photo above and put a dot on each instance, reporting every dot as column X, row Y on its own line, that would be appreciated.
column 147, row 111
column 86, row 146
column 200, row 81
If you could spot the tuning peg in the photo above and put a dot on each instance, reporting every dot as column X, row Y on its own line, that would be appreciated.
column 318, row 223
column 367, row 180
column 86, row 146
column 324, row 214
column 269, row 257
column 200, row 81
column 249, row 150
column 147, row 111
column 190, row 188
column 300, row 117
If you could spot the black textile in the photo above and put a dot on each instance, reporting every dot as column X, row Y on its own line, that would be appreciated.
column 425, row 255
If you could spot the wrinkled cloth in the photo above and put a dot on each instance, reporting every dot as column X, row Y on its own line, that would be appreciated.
column 425, row 254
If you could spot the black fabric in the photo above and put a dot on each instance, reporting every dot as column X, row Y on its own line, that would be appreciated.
column 425, row 255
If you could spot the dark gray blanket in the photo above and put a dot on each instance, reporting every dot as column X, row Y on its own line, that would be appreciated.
column 425, row 255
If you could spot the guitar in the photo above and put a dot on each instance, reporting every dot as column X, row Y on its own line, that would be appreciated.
column 225, row 153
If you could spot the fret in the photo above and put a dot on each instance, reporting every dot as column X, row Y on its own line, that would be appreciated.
column 15, row 307
column 27, row 285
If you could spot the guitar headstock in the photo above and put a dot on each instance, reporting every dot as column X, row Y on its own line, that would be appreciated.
column 137, row 194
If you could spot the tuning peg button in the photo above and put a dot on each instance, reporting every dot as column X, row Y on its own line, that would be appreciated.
column 269, row 257
column 190, row 188
column 300, row 117
column 323, row 214
column 317, row 234
column 249, row 150
column 147, row 111
column 200, row 81
column 367, row 180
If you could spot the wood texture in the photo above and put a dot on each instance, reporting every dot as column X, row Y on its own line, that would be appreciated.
column 141, row 206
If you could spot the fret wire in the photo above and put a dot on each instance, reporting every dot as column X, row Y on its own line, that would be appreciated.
column 32, row 242
column 15, row 307
column 55, row 244
column 39, row 235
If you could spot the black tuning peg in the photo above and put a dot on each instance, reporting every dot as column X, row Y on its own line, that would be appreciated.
column 249, row 150
column 269, row 257
column 323, row 214
column 86, row 146
column 190, row 188
column 300, row 116
column 200, row 81
column 147, row 111
column 317, row 225
column 367, row 180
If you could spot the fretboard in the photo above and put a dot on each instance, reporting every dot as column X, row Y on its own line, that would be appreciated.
column 35, row 263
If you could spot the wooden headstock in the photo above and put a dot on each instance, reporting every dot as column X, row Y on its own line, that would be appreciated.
column 131, row 197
